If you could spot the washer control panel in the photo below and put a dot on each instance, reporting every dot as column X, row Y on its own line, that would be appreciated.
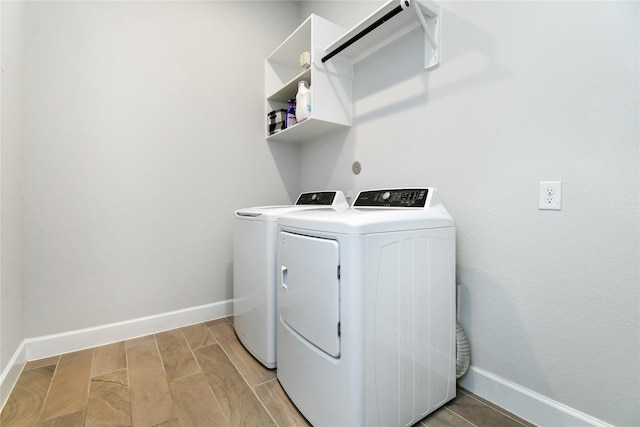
column 317, row 198
column 396, row 198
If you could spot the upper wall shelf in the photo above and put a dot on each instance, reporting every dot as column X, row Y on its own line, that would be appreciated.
column 390, row 22
column 330, row 84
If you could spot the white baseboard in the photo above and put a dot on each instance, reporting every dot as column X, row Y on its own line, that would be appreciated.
column 12, row 371
column 527, row 404
column 51, row 345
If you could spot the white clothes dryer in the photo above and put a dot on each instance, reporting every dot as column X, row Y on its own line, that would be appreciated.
column 366, row 309
column 254, row 270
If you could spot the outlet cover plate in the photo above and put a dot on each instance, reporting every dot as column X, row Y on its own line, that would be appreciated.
column 550, row 195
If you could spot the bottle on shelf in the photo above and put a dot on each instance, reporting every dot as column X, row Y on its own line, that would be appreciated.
column 291, row 114
column 303, row 101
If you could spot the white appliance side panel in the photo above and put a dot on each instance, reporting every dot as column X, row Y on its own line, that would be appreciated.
column 254, row 287
column 441, row 294
column 383, row 367
column 410, row 324
column 309, row 293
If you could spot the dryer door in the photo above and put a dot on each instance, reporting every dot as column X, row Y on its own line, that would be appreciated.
column 309, row 291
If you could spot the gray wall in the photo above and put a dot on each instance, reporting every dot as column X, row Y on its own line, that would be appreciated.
column 11, row 307
column 143, row 132
column 526, row 91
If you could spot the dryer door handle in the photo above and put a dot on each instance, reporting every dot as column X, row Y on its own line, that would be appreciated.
column 285, row 276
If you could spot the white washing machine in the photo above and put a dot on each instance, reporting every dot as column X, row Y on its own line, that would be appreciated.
column 366, row 309
column 254, row 270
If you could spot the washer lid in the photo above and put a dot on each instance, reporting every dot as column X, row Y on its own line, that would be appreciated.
column 312, row 200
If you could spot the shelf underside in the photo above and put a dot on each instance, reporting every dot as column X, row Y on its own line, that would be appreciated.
column 306, row 130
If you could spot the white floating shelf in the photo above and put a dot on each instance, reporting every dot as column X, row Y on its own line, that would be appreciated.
column 306, row 130
column 390, row 22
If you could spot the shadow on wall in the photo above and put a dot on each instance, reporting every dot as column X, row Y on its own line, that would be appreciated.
column 326, row 160
column 390, row 82
column 286, row 156
column 482, row 297
column 468, row 59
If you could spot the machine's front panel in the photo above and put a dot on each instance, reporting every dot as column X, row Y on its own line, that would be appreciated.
column 309, row 289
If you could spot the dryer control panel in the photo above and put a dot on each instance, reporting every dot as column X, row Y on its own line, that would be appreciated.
column 396, row 198
column 317, row 198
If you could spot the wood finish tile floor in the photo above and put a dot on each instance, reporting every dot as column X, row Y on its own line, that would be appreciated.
column 199, row 375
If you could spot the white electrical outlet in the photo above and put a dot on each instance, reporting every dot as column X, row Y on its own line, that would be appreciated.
column 551, row 195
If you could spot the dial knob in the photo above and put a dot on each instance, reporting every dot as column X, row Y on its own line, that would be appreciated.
column 386, row 195
column 314, row 196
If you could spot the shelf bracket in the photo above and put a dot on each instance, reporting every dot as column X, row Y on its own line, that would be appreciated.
column 432, row 38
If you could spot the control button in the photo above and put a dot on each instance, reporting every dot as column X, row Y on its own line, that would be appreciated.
column 386, row 195
column 314, row 196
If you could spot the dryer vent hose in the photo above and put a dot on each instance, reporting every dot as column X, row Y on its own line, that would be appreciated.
column 463, row 352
